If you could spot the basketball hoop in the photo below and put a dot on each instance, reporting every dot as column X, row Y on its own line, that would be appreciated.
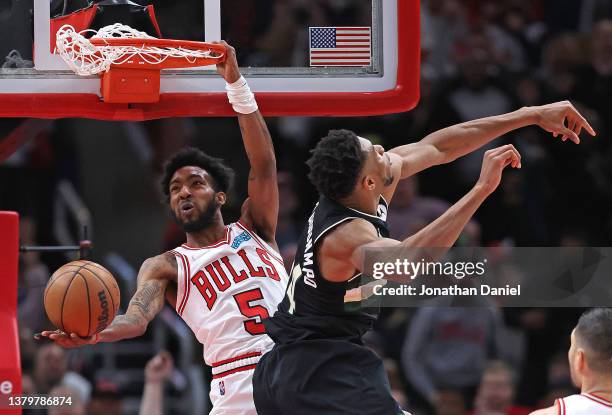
column 129, row 61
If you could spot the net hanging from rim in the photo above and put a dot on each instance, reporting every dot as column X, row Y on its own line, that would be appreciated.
column 119, row 44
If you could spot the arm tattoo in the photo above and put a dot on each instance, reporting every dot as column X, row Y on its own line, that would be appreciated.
column 126, row 320
column 145, row 296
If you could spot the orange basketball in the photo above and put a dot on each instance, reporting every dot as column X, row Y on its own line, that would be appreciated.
column 81, row 297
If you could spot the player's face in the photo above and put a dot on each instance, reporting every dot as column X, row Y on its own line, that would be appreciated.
column 378, row 163
column 193, row 199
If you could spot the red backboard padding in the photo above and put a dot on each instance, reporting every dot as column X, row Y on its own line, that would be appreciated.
column 10, row 367
column 80, row 20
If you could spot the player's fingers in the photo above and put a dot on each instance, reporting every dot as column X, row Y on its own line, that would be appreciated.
column 578, row 129
column 581, row 120
column 586, row 126
column 500, row 151
column 510, row 156
column 156, row 362
column 517, row 159
column 575, row 126
column 494, row 152
column 78, row 339
column 567, row 133
column 166, row 358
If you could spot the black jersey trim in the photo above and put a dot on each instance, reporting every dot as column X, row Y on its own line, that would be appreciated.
column 367, row 214
column 331, row 227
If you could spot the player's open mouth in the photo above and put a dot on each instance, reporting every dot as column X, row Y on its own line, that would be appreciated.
column 187, row 207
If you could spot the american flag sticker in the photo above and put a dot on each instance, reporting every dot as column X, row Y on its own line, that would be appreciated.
column 340, row 46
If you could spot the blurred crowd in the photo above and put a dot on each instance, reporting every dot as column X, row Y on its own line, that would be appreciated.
column 48, row 369
column 479, row 58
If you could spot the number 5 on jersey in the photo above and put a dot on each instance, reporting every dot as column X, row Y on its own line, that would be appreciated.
column 256, row 313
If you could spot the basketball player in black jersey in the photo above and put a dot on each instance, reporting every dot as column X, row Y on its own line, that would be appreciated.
column 318, row 364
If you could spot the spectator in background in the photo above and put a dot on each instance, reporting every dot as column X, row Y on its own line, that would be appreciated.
column 442, row 23
column 27, row 385
column 507, row 50
column 495, row 394
column 474, row 94
column 33, row 276
column 106, row 399
column 448, row 348
column 560, row 58
column 559, row 381
column 592, row 11
column 27, row 349
column 51, row 370
column 157, row 370
column 76, row 407
column 411, row 212
column 287, row 233
column 449, row 402
column 50, row 367
column 594, row 80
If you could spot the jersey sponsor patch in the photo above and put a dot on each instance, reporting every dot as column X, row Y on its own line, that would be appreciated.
column 240, row 239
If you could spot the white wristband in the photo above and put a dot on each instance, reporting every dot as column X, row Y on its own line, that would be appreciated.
column 241, row 97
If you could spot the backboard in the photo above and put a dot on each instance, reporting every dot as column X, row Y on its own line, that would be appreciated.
column 291, row 52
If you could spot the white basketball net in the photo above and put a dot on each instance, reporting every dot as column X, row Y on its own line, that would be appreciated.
column 84, row 58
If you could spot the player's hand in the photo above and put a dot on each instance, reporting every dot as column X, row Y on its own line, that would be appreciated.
column 562, row 119
column 494, row 162
column 66, row 340
column 229, row 68
column 159, row 367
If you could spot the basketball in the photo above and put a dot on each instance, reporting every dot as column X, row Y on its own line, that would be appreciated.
column 81, row 297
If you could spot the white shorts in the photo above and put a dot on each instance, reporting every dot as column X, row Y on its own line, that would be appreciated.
column 233, row 394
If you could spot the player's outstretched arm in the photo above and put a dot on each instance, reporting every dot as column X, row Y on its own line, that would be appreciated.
column 351, row 241
column 261, row 212
column 148, row 300
column 443, row 146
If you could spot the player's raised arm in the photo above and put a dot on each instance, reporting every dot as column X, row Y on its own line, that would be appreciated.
column 148, row 300
column 261, row 210
column 351, row 240
column 443, row 146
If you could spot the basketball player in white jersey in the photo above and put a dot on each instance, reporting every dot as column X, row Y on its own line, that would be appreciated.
column 590, row 359
column 226, row 278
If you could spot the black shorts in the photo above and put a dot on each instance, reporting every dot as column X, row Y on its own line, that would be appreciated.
column 322, row 377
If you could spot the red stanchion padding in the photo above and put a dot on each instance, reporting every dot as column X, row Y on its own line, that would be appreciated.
column 10, row 367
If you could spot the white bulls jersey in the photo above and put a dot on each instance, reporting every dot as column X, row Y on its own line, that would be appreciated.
column 584, row 404
column 224, row 292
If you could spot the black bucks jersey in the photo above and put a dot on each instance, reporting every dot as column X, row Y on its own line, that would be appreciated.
column 313, row 307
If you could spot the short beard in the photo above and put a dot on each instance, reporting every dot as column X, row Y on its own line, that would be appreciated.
column 205, row 219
